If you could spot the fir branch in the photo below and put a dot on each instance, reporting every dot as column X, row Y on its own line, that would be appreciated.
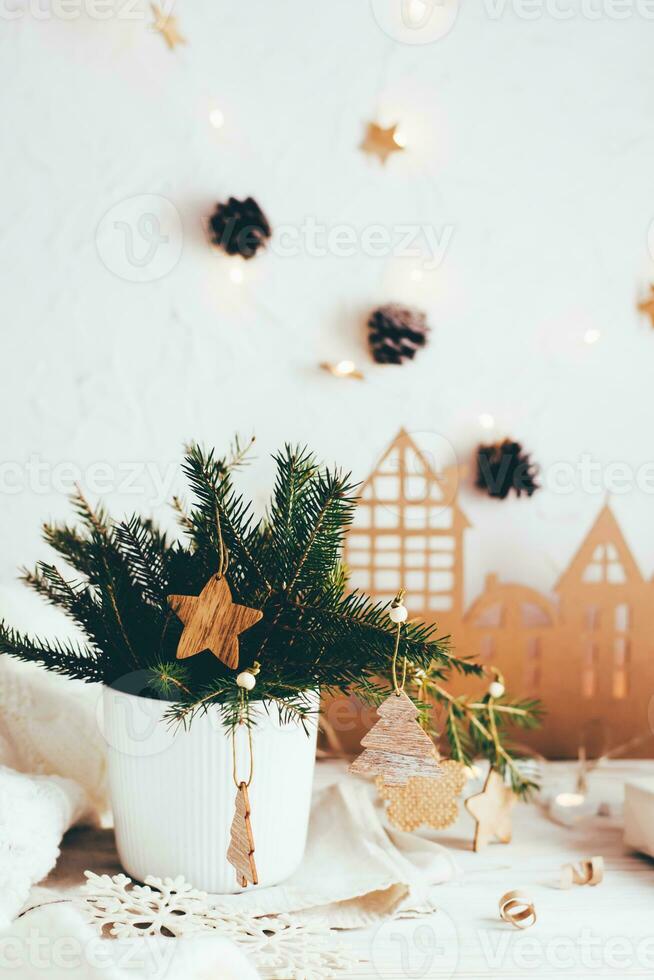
column 62, row 657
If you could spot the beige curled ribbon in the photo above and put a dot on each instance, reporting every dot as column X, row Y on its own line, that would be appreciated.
column 518, row 909
column 590, row 871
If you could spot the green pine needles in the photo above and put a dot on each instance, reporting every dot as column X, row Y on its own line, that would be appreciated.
column 313, row 634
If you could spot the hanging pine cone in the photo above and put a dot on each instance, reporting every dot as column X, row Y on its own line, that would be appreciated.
column 502, row 467
column 239, row 227
column 396, row 332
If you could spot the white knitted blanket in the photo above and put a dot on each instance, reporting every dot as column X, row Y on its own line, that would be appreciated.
column 52, row 773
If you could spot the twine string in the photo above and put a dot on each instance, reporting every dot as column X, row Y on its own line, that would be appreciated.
column 238, row 782
column 398, row 688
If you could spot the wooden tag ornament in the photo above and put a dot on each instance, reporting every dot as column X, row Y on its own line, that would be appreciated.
column 491, row 810
column 212, row 621
column 241, row 847
column 431, row 802
column 397, row 748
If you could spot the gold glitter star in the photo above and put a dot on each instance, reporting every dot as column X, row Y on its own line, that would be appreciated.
column 166, row 25
column 381, row 142
column 646, row 305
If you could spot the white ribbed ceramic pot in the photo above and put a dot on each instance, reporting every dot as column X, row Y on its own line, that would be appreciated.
column 173, row 792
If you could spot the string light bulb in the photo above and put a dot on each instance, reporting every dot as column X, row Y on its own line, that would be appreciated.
column 216, row 118
column 343, row 369
column 486, row 420
column 592, row 336
column 236, row 274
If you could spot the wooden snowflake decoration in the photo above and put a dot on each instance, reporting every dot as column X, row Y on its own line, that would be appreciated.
column 277, row 945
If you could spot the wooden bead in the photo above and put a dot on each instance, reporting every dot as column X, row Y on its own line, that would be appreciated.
column 246, row 680
column 398, row 613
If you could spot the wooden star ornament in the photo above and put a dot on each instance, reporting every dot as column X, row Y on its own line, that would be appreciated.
column 166, row 25
column 381, row 142
column 212, row 621
column 646, row 306
column 491, row 810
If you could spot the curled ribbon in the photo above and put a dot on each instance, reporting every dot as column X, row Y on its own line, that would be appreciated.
column 590, row 871
column 517, row 909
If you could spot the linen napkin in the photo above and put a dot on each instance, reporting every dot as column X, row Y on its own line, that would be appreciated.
column 355, row 871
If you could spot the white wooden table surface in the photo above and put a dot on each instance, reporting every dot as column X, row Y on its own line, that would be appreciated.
column 605, row 931
column 600, row 931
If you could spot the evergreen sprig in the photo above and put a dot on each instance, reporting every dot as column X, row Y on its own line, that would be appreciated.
column 313, row 632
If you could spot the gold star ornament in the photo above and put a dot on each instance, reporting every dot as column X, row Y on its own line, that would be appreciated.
column 212, row 621
column 381, row 142
column 646, row 306
column 491, row 810
column 166, row 25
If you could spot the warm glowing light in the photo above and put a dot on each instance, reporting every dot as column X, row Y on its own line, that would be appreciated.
column 399, row 139
column 216, row 118
column 592, row 336
column 236, row 274
column 343, row 369
column 417, row 275
column 569, row 799
column 486, row 421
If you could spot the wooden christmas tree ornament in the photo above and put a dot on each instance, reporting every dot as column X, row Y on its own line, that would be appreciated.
column 397, row 748
column 430, row 802
column 212, row 621
column 491, row 810
column 241, row 848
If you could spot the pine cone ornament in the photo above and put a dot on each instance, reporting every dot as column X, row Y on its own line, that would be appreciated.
column 502, row 467
column 396, row 332
column 239, row 227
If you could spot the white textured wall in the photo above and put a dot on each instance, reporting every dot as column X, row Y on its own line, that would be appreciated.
column 533, row 140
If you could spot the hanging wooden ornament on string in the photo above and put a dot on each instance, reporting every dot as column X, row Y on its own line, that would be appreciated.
column 426, row 802
column 240, row 853
column 241, row 848
column 397, row 750
column 212, row 620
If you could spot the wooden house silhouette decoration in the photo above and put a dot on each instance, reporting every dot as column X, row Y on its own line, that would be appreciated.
column 587, row 651
column 408, row 532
